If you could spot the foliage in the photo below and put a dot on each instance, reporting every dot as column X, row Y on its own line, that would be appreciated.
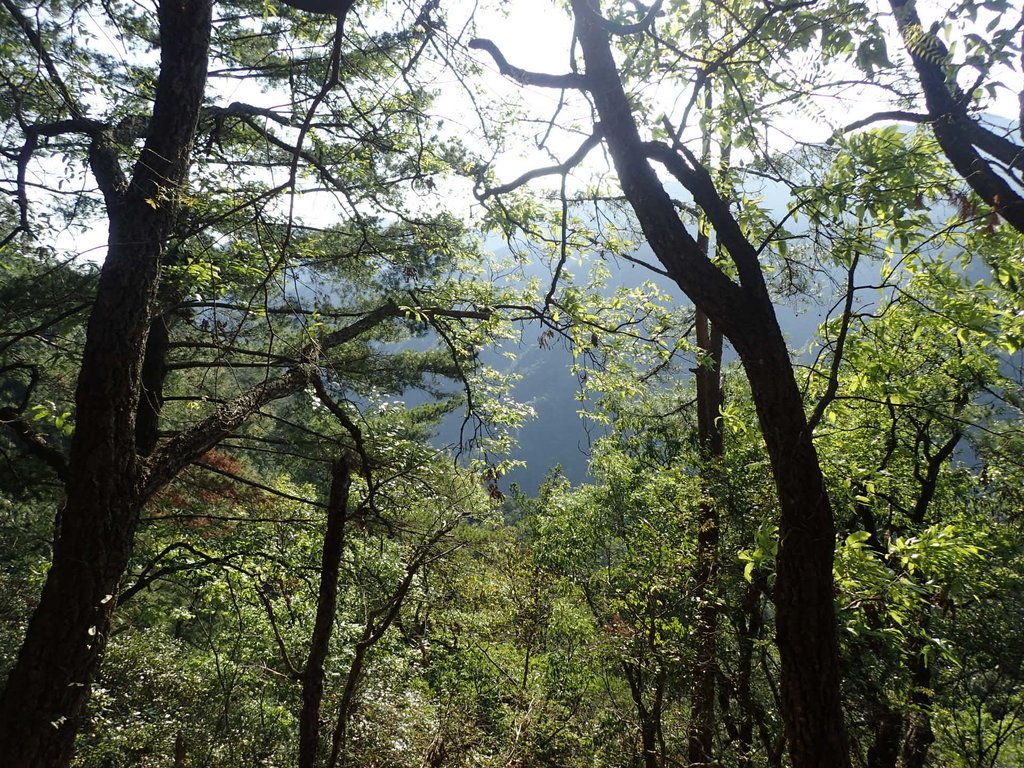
column 321, row 229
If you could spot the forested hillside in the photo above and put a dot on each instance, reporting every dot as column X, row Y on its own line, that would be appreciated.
column 259, row 357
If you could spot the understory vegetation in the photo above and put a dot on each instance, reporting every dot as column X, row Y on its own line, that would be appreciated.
column 274, row 277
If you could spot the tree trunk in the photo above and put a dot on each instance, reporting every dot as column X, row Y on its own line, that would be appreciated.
column 649, row 718
column 48, row 686
column 806, row 626
column 805, row 612
column 151, row 399
column 326, row 608
column 957, row 132
column 919, row 735
column 885, row 748
column 649, row 743
column 751, row 623
column 700, row 748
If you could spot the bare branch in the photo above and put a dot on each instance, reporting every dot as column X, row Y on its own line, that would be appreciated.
column 35, row 443
column 837, row 355
column 524, row 77
column 552, row 170
column 898, row 115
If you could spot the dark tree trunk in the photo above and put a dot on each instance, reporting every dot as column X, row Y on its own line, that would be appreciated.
column 700, row 747
column 805, row 613
column 751, row 624
column 43, row 699
column 326, row 608
column 919, row 736
column 649, row 743
column 649, row 717
column 806, row 625
column 885, row 747
column 180, row 750
column 151, row 399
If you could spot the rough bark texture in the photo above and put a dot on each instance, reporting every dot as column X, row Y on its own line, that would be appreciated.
column 806, row 626
column 326, row 608
column 151, row 399
column 49, row 683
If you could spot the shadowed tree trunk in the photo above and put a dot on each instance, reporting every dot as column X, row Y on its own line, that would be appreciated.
column 115, row 462
column 106, row 485
column 919, row 736
column 326, row 608
column 649, row 717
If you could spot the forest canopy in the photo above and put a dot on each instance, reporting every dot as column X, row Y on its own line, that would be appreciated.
column 275, row 279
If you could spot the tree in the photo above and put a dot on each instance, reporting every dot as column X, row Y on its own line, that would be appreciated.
column 742, row 309
column 200, row 252
column 987, row 158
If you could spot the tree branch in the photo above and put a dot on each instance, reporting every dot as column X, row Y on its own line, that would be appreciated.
column 35, row 443
column 253, row 484
column 149, row 575
column 186, row 447
column 524, row 77
column 837, row 354
column 957, row 133
column 44, row 55
column 695, row 177
column 552, row 170
column 898, row 115
column 182, row 450
column 640, row 26
column 242, row 110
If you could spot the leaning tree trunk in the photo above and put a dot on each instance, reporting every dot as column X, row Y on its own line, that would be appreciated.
column 806, row 624
column 46, row 691
column 958, row 133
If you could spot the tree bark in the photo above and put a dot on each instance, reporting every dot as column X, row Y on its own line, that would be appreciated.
column 919, row 736
column 885, row 748
column 326, row 608
column 48, row 686
column 750, row 623
column 649, row 718
column 958, row 134
column 151, row 399
column 806, row 624
column 700, row 748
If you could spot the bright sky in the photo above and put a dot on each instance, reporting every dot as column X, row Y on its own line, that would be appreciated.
column 536, row 35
